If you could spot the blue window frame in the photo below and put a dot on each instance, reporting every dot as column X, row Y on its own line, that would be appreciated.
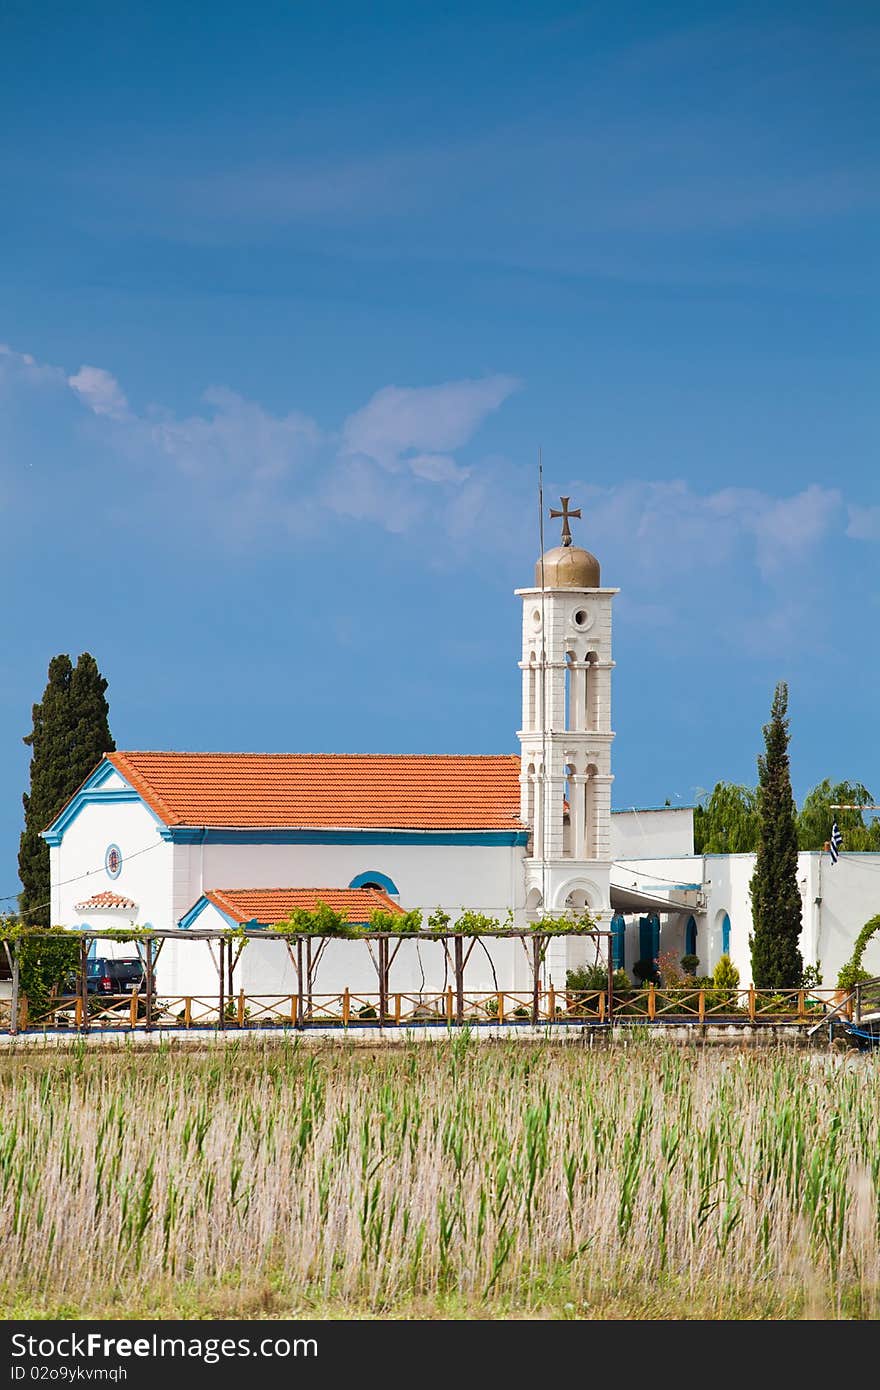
column 373, row 879
column 725, row 936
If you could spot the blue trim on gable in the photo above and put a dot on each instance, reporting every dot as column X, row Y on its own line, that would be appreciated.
column 91, row 794
column 195, row 911
column 204, row 901
column 190, row 835
column 373, row 876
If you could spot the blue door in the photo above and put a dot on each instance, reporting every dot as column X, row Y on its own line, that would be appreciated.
column 690, row 937
column 649, row 937
column 618, row 941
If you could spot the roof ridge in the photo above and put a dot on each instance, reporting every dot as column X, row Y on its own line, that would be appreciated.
column 223, row 753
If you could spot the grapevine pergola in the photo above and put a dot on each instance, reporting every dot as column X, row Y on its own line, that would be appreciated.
column 304, row 950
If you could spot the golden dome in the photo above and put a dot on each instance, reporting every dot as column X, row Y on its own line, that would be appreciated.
column 567, row 567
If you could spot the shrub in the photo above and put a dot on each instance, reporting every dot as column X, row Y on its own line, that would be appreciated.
column 725, row 975
column 851, row 975
column 595, row 977
column 584, row 977
column 689, row 964
column 646, row 971
column 812, row 976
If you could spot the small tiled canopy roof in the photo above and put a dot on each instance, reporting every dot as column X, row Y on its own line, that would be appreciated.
column 105, row 901
column 324, row 790
column 269, row 906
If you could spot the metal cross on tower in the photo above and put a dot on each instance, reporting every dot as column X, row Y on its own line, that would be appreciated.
column 566, row 515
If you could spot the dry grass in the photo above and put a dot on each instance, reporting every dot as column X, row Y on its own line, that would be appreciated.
column 497, row 1180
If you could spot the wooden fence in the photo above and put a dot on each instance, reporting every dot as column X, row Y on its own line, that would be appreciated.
column 449, row 1007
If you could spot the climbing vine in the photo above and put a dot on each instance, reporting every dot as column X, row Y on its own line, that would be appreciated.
column 851, row 973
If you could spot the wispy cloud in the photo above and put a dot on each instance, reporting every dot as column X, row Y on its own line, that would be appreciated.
column 674, row 526
column 415, row 427
column 863, row 523
column 100, row 391
column 408, row 457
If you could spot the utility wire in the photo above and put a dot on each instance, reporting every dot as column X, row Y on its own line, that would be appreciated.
column 9, row 897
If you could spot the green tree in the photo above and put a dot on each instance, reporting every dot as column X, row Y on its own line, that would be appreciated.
column 776, row 902
column 69, row 737
column 816, row 817
column 726, row 822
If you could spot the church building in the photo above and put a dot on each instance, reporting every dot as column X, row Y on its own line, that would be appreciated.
column 176, row 840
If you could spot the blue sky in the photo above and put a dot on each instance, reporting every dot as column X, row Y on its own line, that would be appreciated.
column 291, row 296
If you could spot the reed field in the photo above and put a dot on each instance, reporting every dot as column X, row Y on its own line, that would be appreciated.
column 459, row 1179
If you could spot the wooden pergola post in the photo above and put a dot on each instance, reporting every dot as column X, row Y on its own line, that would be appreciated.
column 610, row 977
column 84, row 981
column 13, row 1017
column 308, row 977
column 221, row 1021
column 300, row 1017
column 459, row 978
column 536, row 979
column 150, row 987
column 383, row 978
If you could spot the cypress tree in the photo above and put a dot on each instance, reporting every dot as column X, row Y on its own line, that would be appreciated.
column 776, row 902
column 69, row 737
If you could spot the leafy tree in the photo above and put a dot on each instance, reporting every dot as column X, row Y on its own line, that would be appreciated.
column 816, row 817
column 70, row 735
column 726, row 822
column 776, row 902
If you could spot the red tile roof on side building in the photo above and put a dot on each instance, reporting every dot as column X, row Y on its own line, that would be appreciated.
column 269, row 906
column 333, row 791
column 105, row 902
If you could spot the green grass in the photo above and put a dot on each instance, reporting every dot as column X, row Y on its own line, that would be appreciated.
column 460, row 1180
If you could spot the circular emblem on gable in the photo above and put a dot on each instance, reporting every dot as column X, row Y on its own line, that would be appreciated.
column 113, row 861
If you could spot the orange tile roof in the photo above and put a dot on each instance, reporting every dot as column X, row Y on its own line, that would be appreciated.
column 327, row 790
column 105, row 900
column 273, row 905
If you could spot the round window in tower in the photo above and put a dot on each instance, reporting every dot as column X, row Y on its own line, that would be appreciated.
column 582, row 619
column 113, row 861
column 536, row 618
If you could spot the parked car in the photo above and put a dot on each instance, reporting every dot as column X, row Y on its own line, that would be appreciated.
column 121, row 976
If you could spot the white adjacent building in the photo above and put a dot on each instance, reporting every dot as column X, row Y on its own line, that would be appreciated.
column 170, row 839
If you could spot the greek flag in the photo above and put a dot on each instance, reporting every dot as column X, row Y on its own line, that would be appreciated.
column 835, row 842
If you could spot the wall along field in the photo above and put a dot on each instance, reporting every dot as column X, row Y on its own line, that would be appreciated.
column 490, row 1180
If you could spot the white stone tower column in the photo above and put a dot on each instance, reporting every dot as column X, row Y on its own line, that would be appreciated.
column 566, row 739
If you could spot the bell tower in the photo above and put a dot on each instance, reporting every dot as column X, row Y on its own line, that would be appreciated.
column 566, row 733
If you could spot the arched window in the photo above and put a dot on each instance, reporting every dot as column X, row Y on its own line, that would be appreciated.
column 374, row 879
column 618, row 941
column 690, row 937
column 725, row 935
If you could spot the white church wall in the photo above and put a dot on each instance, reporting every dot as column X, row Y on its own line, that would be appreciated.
column 640, row 834
column 484, row 879
column 850, row 895
column 78, row 872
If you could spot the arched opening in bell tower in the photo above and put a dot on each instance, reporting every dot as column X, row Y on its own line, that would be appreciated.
column 589, row 821
column 531, row 694
column 591, row 692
